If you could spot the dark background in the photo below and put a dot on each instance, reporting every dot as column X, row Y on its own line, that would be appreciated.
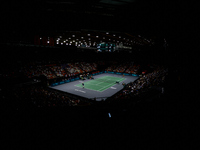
column 176, row 21
column 136, row 16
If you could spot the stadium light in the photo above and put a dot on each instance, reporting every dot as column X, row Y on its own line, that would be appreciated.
column 64, row 41
column 88, row 34
column 97, row 36
column 107, row 32
column 113, row 34
column 47, row 41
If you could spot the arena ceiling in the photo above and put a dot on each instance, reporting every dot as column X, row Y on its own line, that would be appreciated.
column 132, row 16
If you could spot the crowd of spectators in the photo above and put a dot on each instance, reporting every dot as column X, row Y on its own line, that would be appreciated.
column 88, row 67
column 74, row 68
column 142, row 84
column 112, row 66
column 129, row 67
column 38, row 96
column 44, row 97
column 35, row 71
column 133, row 68
column 59, row 71
column 121, row 68
column 52, row 71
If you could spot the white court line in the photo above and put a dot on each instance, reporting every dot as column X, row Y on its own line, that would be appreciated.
column 87, row 88
column 108, row 85
column 98, row 89
column 93, row 84
column 121, row 79
column 89, row 83
column 103, row 86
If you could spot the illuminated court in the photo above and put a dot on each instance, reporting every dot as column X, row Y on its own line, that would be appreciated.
column 101, row 87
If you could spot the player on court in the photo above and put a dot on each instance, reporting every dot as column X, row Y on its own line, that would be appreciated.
column 83, row 85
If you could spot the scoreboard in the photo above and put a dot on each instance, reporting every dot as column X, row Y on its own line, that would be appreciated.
column 106, row 46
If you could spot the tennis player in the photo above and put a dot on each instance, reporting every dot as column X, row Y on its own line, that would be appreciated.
column 83, row 85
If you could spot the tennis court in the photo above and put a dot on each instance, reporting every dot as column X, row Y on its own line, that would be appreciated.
column 101, row 84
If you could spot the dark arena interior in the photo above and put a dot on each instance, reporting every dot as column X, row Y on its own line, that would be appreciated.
column 99, row 74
